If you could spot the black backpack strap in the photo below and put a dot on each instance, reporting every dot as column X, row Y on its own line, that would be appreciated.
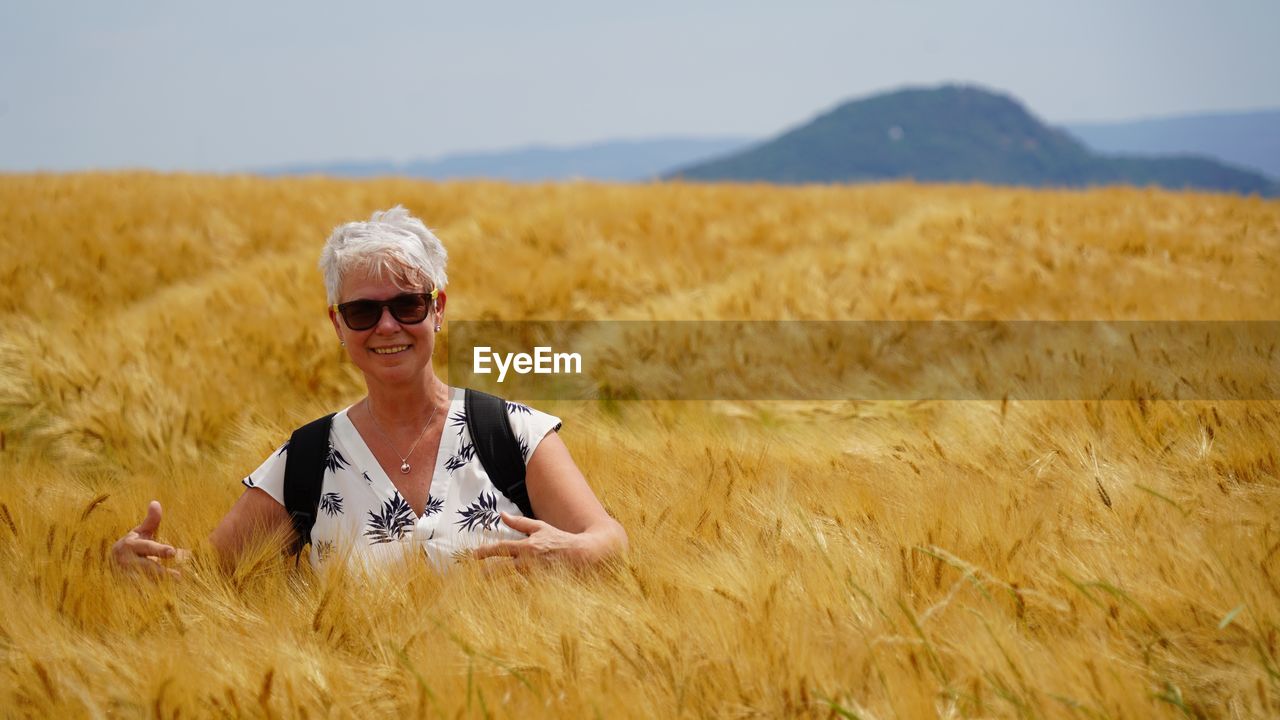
column 304, row 475
column 496, row 446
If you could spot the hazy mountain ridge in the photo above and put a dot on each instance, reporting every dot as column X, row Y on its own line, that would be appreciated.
column 1250, row 139
column 619, row 160
column 956, row 133
column 947, row 134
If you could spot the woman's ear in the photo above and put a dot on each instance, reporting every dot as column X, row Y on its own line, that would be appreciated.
column 333, row 318
column 440, row 300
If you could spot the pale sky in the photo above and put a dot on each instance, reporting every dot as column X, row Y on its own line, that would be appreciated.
column 231, row 85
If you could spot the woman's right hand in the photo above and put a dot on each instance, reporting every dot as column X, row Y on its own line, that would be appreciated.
column 138, row 550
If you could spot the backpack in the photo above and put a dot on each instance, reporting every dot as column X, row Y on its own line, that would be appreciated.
column 490, row 431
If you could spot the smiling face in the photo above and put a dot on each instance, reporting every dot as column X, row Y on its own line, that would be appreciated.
column 389, row 353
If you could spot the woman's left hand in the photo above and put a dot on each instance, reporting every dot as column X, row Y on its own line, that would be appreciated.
column 545, row 542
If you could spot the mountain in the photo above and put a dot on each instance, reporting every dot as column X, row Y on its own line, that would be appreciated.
column 1248, row 139
column 955, row 133
column 614, row 160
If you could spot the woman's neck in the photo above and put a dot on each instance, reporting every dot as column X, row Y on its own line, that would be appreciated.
column 408, row 403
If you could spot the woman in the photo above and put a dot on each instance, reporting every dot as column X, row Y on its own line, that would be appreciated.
column 402, row 468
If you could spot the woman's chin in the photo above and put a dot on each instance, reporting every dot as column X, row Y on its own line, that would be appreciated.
column 394, row 369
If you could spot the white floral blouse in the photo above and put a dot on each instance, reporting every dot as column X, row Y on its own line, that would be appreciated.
column 361, row 510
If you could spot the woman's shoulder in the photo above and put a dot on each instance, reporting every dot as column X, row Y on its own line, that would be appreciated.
column 529, row 426
column 478, row 418
column 321, row 433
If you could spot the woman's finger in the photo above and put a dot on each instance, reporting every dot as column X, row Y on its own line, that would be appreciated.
column 504, row 548
column 143, row 547
column 155, row 569
column 146, row 566
column 151, row 523
column 519, row 523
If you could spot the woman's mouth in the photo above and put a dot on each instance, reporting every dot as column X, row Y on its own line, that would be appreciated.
column 390, row 349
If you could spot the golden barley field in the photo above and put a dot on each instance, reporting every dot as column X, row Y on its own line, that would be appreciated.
column 160, row 334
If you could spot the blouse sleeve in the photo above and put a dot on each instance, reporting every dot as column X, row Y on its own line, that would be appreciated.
column 269, row 476
column 529, row 427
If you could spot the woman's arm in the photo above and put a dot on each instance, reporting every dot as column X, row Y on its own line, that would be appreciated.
column 254, row 512
column 572, row 523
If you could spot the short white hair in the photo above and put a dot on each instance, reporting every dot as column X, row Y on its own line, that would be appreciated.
column 392, row 243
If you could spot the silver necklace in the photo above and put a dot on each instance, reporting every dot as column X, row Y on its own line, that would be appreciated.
column 404, row 460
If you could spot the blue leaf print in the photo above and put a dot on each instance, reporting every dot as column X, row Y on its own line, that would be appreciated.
column 367, row 478
column 334, row 460
column 465, row 453
column 434, row 505
column 481, row 514
column 459, row 421
column 392, row 523
column 283, row 447
column 248, row 482
column 331, row 503
column 515, row 407
column 524, row 450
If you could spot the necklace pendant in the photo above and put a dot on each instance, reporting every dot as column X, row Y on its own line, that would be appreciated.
column 404, row 468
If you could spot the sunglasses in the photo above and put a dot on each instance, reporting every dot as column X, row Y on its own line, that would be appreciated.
column 407, row 309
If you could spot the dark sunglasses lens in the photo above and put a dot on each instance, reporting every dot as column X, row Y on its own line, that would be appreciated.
column 410, row 308
column 361, row 314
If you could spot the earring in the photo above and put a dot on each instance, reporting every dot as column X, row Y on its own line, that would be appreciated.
column 437, row 328
column 343, row 343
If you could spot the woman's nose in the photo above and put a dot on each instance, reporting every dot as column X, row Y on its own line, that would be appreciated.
column 387, row 322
